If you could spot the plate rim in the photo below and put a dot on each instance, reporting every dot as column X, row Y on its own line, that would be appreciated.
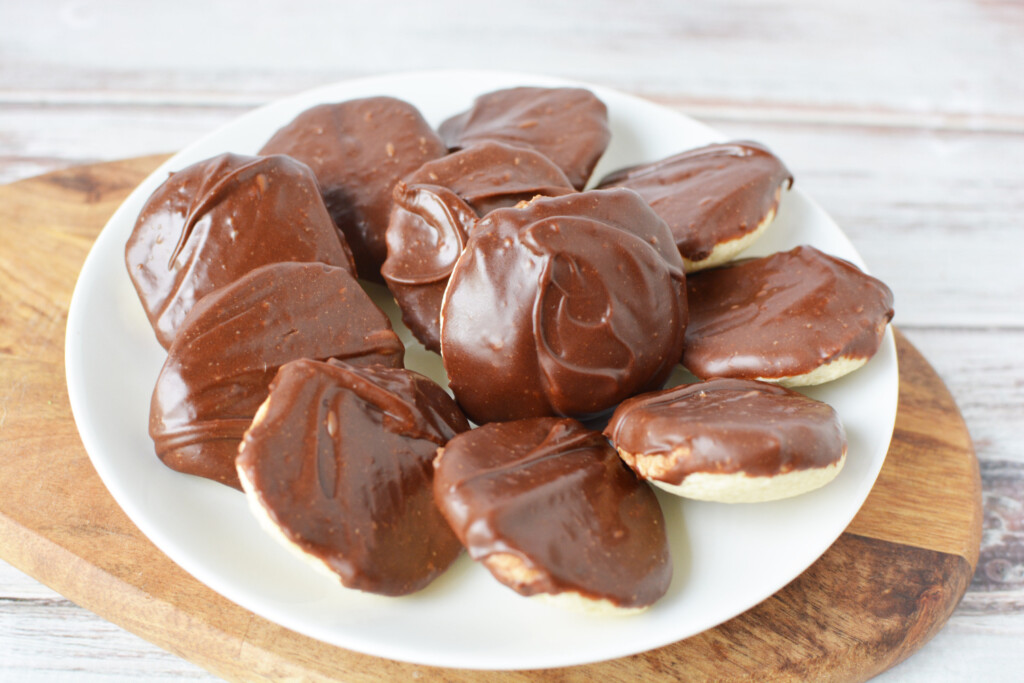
column 75, row 325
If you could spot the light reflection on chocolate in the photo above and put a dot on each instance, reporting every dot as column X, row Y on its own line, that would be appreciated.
column 359, row 150
column 783, row 315
column 436, row 207
column 709, row 195
column 726, row 426
column 556, row 496
column 567, row 125
column 341, row 459
column 212, row 222
column 220, row 365
column 564, row 307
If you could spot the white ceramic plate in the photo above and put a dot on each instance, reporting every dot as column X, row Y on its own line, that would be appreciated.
column 727, row 558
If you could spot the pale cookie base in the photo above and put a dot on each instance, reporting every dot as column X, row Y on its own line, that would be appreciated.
column 259, row 510
column 512, row 571
column 828, row 372
column 727, row 251
column 733, row 488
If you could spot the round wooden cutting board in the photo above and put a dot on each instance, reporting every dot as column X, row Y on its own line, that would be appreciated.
column 877, row 595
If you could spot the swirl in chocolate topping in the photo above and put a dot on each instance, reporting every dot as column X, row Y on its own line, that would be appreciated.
column 783, row 316
column 341, row 458
column 567, row 125
column 212, row 222
column 564, row 307
column 359, row 150
column 434, row 210
column 725, row 426
column 220, row 365
column 556, row 497
column 710, row 195
column 493, row 175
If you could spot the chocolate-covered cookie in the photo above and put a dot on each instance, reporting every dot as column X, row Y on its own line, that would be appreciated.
column 358, row 150
column 434, row 209
column 717, row 199
column 564, row 307
column 567, row 125
column 547, row 506
column 798, row 318
column 338, row 465
column 212, row 222
column 730, row 440
column 229, row 347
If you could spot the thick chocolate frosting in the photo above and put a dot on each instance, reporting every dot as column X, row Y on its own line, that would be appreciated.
column 564, row 307
column 555, row 495
column 341, row 460
column 567, row 125
column 493, row 175
column 783, row 315
column 214, row 221
column 220, row 365
column 358, row 150
column 725, row 426
column 709, row 195
column 434, row 210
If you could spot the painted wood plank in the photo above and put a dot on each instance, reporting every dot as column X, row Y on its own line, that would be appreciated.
column 925, row 208
column 53, row 640
column 967, row 649
column 809, row 72
column 920, row 56
column 916, row 605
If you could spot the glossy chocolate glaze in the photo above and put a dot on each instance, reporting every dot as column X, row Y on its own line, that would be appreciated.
column 429, row 229
column 493, row 175
column 434, row 210
column 709, row 195
column 342, row 462
column 358, row 150
column 567, row 125
column 212, row 222
column 783, row 315
column 556, row 495
column 220, row 365
column 564, row 307
column 725, row 426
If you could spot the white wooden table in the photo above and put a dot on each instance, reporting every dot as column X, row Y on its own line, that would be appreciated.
column 905, row 120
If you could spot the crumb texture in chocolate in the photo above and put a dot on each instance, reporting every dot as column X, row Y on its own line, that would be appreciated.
column 556, row 496
column 567, row 125
column 341, row 461
column 783, row 315
column 210, row 223
column 564, row 307
column 358, row 150
column 491, row 175
column 725, row 426
column 219, row 367
column 434, row 210
column 709, row 195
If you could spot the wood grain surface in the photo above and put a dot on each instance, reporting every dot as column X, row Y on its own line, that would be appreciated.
column 905, row 121
column 885, row 588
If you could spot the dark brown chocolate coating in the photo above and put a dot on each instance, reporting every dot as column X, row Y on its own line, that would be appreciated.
column 342, row 462
column 556, row 495
column 493, row 175
column 783, row 315
column 358, row 150
column 564, row 307
column 212, row 222
column 726, row 426
column 220, row 365
column 709, row 195
column 567, row 125
column 434, row 210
